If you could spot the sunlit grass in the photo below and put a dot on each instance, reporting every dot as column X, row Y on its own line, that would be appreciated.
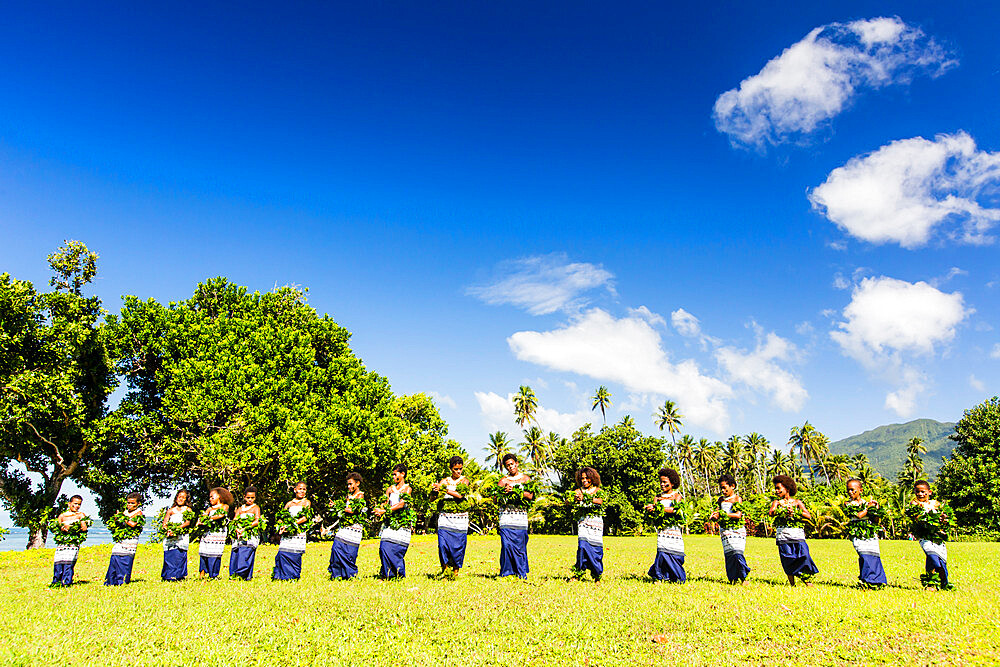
column 480, row 619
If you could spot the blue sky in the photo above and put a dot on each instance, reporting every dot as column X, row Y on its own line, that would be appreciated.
column 767, row 214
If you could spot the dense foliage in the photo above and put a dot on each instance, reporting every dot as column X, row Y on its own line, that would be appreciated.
column 970, row 479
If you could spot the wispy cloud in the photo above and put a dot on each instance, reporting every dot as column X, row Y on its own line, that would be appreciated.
column 543, row 284
column 816, row 78
column 498, row 415
column 906, row 190
column 759, row 369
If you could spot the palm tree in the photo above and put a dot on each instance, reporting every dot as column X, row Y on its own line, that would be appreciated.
column 628, row 422
column 536, row 448
column 499, row 445
column 839, row 465
column 525, row 405
column 668, row 417
column 812, row 446
column 704, row 460
column 685, row 452
column 735, row 455
column 758, row 446
column 602, row 400
column 779, row 464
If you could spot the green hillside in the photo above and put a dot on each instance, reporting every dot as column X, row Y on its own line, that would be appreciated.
column 885, row 446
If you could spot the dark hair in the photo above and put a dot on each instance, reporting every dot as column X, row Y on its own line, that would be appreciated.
column 225, row 496
column 455, row 460
column 921, row 482
column 355, row 476
column 187, row 498
column 301, row 481
column 134, row 495
column 671, row 474
column 786, row 482
column 72, row 498
column 508, row 457
column 592, row 475
column 400, row 468
column 728, row 479
column 250, row 489
column 855, row 479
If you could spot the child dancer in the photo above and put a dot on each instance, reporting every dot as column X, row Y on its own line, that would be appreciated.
column 175, row 545
column 932, row 538
column 347, row 540
column 864, row 536
column 245, row 541
column 213, row 543
column 453, row 520
column 789, row 533
column 70, row 532
column 732, row 530
column 123, row 552
column 394, row 542
column 590, row 526
column 288, row 561
column 513, row 524
column 669, row 562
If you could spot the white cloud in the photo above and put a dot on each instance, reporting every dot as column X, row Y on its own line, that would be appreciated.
column 905, row 190
column 685, row 323
column 498, row 415
column 840, row 282
column 995, row 352
column 976, row 383
column 543, row 284
column 759, row 370
column 816, row 78
column 628, row 351
column 890, row 320
column 648, row 315
column 443, row 399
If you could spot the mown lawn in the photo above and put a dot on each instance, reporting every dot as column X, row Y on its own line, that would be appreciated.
column 482, row 620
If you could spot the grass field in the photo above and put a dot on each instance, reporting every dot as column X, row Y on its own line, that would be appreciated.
column 482, row 620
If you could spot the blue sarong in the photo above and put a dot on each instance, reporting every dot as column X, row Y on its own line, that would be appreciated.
column 241, row 560
column 175, row 564
column 871, row 572
column 937, row 559
column 590, row 546
column 210, row 565
column 393, row 557
column 734, row 542
column 795, row 559
column 63, row 564
column 669, row 562
column 119, row 570
column 451, row 547
column 287, row 565
column 513, row 531
column 343, row 559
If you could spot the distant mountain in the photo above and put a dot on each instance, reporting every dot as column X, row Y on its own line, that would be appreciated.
column 885, row 446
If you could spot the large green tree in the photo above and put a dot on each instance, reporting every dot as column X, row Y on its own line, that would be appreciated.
column 970, row 479
column 234, row 388
column 55, row 377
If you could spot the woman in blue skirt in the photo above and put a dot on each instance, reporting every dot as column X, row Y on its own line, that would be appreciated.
column 513, row 524
column 288, row 560
column 732, row 531
column 453, row 518
column 789, row 533
column 394, row 540
column 123, row 552
column 213, row 542
column 72, row 522
column 669, row 562
column 175, row 544
column 347, row 540
column 932, row 540
column 590, row 525
column 244, row 551
column 864, row 536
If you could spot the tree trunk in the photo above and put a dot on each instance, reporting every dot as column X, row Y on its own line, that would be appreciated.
column 36, row 538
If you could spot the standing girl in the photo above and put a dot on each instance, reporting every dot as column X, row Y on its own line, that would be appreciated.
column 213, row 541
column 69, row 531
column 733, row 531
column 347, row 540
column 515, row 498
column 453, row 517
column 588, row 501
column 669, row 563
column 177, row 521
column 863, row 531
column 293, row 526
column 789, row 533
column 126, row 527
column 245, row 530
column 931, row 521
column 397, row 524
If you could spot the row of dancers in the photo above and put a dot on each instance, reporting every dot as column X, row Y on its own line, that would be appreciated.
column 453, row 527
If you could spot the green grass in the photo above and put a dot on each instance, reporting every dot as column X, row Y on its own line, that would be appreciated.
column 482, row 620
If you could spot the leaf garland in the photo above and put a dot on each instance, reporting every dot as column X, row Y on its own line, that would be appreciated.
column 788, row 516
column 74, row 535
column 586, row 507
column 930, row 523
column 359, row 511
column 658, row 517
column 161, row 533
column 514, row 496
column 288, row 525
column 397, row 519
column 933, row 580
column 119, row 528
column 727, row 522
column 449, row 503
column 207, row 523
column 866, row 528
column 242, row 528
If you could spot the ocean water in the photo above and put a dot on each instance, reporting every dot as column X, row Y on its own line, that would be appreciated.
column 17, row 538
